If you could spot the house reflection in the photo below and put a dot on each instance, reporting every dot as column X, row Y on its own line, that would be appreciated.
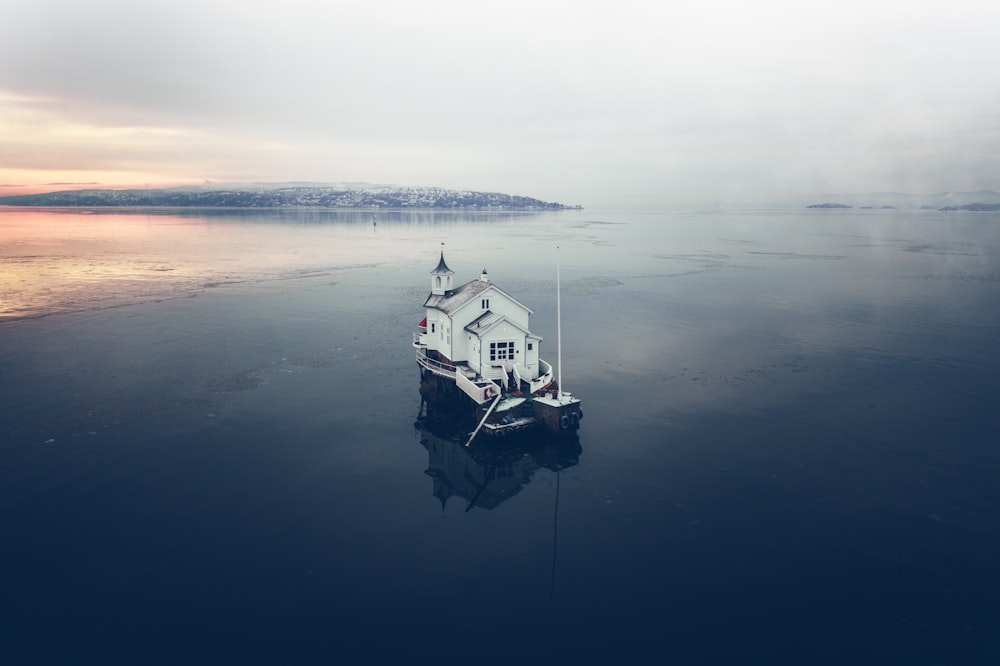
column 487, row 474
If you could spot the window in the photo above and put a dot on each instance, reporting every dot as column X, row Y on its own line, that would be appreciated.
column 486, row 303
column 501, row 351
column 531, row 345
column 433, row 326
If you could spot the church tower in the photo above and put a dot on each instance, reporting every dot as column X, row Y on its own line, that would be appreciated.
column 441, row 277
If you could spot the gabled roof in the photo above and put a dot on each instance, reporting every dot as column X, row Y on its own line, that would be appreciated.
column 456, row 298
column 452, row 300
column 484, row 322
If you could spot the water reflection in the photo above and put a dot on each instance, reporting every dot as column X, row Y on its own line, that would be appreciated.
column 487, row 474
column 293, row 216
column 73, row 260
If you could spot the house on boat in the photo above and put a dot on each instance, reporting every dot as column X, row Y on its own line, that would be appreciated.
column 474, row 342
column 482, row 332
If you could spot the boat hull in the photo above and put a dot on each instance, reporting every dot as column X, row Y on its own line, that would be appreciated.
column 548, row 413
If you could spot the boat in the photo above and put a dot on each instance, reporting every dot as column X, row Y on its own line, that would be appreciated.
column 478, row 358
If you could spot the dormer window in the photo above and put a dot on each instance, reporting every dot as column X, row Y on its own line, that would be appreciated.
column 486, row 304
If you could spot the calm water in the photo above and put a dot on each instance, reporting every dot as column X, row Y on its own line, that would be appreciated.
column 790, row 452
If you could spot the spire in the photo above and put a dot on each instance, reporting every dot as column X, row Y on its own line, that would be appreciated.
column 442, row 268
column 441, row 277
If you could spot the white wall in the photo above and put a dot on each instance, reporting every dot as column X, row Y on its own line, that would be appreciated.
column 459, row 348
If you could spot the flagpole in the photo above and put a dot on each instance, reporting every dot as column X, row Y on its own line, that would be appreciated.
column 558, row 328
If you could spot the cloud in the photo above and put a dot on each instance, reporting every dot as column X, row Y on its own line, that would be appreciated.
column 561, row 100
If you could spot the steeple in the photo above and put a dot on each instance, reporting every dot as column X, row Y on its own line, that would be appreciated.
column 441, row 277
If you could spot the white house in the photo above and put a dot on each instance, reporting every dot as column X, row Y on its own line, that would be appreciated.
column 474, row 340
column 480, row 326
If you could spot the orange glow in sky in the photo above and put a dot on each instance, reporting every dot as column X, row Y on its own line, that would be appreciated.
column 44, row 148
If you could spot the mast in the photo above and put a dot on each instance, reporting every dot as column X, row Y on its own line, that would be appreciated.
column 558, row 331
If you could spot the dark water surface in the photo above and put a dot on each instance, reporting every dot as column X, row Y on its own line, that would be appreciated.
column 790, row 451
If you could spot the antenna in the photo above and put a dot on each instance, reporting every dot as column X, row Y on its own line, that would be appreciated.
column 558, row 330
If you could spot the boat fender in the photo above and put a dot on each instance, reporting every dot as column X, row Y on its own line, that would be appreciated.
column 564, row 422
column 574, row 420
column 579, row 414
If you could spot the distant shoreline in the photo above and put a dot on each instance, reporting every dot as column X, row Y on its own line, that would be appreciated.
column 277, row 197
column 974, row 207
column 268, row 209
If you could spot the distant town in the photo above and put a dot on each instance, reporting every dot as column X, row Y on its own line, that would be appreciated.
column 288, row 196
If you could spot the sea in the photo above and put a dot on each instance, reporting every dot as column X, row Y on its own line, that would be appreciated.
column 212, row 450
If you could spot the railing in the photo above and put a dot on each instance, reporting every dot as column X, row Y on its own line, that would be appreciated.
column 494, row 373
column 543, row 379
column 437, row 367
column 481, row 394
column 420, row 339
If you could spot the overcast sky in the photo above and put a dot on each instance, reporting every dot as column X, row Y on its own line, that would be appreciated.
column 597, row 103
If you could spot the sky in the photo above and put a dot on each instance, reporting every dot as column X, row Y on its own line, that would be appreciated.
column 592, row 103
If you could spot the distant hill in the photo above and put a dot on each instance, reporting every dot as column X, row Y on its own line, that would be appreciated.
column 978, row 200
column 267, row 195
column 975, row 206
